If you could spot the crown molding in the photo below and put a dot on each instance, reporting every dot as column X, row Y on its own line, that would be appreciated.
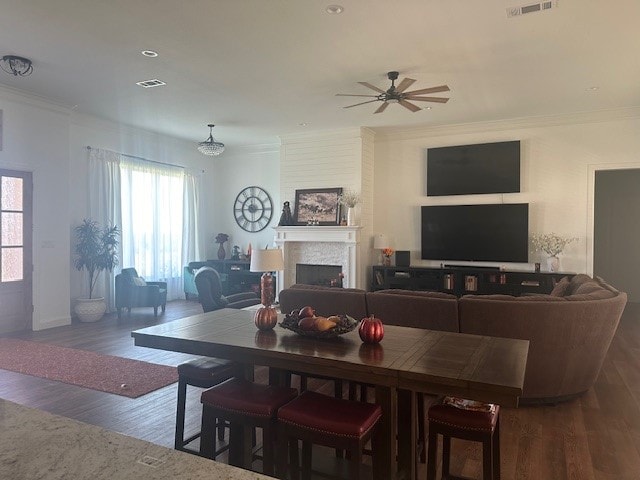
column 327, row 135
column 20, row 96
column 390, row 134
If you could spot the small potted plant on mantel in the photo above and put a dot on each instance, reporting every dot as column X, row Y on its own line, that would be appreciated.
column 96, row 251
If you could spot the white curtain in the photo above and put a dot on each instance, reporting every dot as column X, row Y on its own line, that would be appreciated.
column 104, row 207
column 156, row 206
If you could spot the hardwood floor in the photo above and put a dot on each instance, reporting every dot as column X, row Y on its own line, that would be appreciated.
column 595, row 437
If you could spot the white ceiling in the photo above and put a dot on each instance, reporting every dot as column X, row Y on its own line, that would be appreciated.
column 259, row 68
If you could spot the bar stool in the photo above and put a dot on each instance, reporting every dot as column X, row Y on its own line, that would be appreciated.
column 244, row 405
column 323, row 420
column 480, row 422
column 203, row 373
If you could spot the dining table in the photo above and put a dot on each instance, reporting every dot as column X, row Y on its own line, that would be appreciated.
column 406, row 361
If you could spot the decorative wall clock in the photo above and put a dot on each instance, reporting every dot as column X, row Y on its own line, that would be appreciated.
column 253, row 209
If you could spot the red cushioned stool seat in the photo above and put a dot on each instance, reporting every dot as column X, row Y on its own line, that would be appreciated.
column 203, row 373
column 245, row 405
column 319, row 419
column 458, row 418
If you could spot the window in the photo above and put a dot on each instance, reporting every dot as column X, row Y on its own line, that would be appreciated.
column 152, row 220
column 11, row 229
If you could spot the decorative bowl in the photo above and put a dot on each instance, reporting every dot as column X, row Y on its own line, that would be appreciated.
column 345, row 325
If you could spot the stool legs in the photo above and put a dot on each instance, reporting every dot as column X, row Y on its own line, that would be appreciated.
column 182, row 398
column 490, row 452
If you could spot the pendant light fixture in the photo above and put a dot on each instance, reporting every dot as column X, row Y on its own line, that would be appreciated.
column 17, row 66
column 210, row 146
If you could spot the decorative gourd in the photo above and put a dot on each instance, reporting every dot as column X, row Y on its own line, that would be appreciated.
column 371, row 330
column 266, row 318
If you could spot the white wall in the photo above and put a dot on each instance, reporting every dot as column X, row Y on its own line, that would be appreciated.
column 231, row 172
column 36, row 139
column 557, row 154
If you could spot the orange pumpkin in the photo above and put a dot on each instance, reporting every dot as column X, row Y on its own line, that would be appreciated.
column 266, row 318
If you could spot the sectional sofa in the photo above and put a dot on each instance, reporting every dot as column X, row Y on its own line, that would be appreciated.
column 569, row 330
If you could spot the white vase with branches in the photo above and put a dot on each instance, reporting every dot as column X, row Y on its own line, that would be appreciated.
column 553, row 245
column 350, row 199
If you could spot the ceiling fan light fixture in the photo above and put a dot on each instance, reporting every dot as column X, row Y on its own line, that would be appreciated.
column 210, row 147
column 16, row 66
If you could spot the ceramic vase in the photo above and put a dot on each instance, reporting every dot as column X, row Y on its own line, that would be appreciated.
column 553, row 264
column 351, row 216
column 221, row 253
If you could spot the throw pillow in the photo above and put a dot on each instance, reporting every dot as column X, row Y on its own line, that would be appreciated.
column 139, row 282
column 560, row 288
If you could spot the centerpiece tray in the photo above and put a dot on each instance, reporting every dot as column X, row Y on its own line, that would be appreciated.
column 345, row 325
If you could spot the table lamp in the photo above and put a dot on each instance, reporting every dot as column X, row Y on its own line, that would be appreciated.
column 380, row 242
column 266, row 261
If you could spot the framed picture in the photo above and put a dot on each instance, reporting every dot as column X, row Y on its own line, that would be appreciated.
column 317, row 206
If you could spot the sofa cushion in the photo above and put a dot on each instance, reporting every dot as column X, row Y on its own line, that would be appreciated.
column 525, row 298
column 604, row 284
column 418, row 293
column 560, row 288
column 576, row 281
column 303, row 286
column 325, row 300
column 598, row 294
column 139, row 282
column 408, row 308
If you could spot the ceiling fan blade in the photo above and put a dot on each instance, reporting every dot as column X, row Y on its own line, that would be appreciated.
column 382, row 107
column 368, row 85
column 355, row 105
column 353, row 95
column 409, row 106
column 441, row 88
column 427, row 99
column 404, row 84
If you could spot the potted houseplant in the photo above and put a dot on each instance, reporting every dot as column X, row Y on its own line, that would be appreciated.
column 96, row 251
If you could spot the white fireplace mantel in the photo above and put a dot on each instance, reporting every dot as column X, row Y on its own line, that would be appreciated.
column 322, row 245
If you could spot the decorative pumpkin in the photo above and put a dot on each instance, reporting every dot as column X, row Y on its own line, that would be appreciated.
column 266, row 318
column 371, row 330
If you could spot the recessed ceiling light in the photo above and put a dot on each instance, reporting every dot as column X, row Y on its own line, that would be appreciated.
column 335, row 9
column 149, row 53
column 593, row 89
column 303, row 124
column 427, row 108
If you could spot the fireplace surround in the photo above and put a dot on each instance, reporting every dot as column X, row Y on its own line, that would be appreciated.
column 320, row 245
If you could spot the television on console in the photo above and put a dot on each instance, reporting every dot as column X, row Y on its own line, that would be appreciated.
column 474, row 169
column 488, row 232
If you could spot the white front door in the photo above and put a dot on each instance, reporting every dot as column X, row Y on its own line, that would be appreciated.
column 16, row 310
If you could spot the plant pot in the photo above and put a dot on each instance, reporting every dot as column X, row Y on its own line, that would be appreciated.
column 351, row 216
column 90, row 309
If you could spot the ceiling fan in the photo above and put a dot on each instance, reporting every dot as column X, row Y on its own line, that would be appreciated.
column 398, row 95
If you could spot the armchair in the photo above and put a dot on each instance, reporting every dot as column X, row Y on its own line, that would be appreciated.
column 209, row 287
column 133, row 291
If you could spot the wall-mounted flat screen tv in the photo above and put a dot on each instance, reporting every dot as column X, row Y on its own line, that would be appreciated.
column 474, row 169
column 489, row 232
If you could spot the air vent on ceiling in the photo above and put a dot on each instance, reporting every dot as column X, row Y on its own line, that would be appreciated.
column 151, row 83
column 531, row 8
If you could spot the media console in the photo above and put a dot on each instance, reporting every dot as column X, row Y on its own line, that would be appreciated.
column 460, row 280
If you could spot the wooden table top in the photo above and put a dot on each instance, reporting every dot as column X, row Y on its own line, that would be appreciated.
column 471, row 366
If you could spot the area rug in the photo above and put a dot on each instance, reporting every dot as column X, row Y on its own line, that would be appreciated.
column 106, row 373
